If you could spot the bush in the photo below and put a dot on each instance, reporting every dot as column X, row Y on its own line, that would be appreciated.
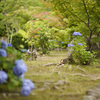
column 20, row 42
column 80, row 54
column 12, row 70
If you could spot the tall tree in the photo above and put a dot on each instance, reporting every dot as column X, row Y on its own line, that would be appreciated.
column 82, row 16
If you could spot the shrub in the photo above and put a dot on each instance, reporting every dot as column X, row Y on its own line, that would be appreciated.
column 80, row 54
column 12, row 69
column 20, row 42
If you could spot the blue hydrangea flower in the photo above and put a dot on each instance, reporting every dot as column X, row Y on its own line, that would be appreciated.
column 24, row 50
column 19, row 68
column 3, row 77
column 27, row 51
column 3, row 53
column 27, row 82
column 70, row 45
column 76, row 33
column 10, row 45
column 19, row 62
column 4, row 44
column 25, row 91
column 21, row 76
column 80, row 44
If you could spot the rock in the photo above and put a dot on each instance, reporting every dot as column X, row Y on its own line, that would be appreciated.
column 57, row 73
column 47, row 83
column 46, row 86
column 10, row 94
column 4, row 95
column 70, row 67
column 13, row 94
column 33, row 94
column 93, row 94
column 61, row 82
column 55, row 87
column 41, row 89
column 89, row 97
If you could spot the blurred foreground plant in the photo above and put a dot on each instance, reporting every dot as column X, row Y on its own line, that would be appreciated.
column 12, row 69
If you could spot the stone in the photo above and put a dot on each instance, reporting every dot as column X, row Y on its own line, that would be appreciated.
column 89, row 97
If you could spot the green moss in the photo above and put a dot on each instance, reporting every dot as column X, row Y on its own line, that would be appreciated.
column 69, row 82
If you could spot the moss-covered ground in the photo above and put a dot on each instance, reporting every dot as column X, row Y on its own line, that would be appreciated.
column 68, row 82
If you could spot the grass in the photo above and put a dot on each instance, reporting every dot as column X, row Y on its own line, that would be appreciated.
column 69, row 82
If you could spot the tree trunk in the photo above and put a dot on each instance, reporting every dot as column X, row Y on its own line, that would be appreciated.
column 7, row 32
column 31, row 55
column 11, row 34
column 69, row 58
column 89, row 45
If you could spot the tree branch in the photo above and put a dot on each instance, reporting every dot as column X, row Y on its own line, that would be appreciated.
column 76, row 16
column 86, row 11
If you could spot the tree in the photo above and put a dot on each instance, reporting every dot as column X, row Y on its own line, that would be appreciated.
column 14, row 19
column 82, row 16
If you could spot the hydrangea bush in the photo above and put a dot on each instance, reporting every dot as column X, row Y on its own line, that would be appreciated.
column 80, row 55
column 12, row 70
column 3, row 76
column 76, row 34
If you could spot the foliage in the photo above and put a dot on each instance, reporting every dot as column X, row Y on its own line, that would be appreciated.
column 25, row 56
column 26, row 18
column 61, row 36
column 12, row 70
column 40, row 32
column 82, row 16
column 14, row 19
column 19, row 42
column 80, row 55
column 44, row 42
column 6, row 64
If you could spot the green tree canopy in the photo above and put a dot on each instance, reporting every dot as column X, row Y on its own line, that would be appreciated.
column 82, row 16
